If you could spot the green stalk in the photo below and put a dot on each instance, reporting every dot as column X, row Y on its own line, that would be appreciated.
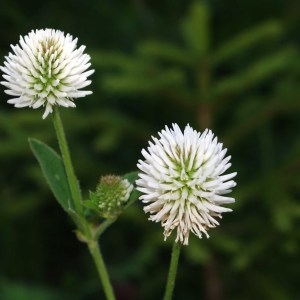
column 172, row 271
column 86, row 231
column 72, row 180
column 98, row 260
column 102, row 227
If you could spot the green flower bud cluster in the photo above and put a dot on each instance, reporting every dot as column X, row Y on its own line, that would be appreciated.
column 111, row 195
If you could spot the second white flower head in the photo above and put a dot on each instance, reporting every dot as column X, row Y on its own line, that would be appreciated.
column 182, row 183
column 46, row 69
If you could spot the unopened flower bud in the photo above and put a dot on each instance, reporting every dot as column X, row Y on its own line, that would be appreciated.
column 112, row 194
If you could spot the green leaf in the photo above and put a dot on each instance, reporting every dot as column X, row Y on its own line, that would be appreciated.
column 248, row 39
column 195, row 29
column 164, row 51
column 138, row 83
column 90, row 204
column 53, row 170
column 257, row 73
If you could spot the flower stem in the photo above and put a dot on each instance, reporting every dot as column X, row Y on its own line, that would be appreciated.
column 72, row 180
column 101, row 228
column 98, row 260
column 172, row 271
column 76, row 196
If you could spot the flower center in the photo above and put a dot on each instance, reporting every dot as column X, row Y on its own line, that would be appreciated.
column 45, row 73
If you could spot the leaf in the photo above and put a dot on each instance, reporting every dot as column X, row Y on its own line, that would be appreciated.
column 245, row 40
column 164, row 51
column 256, row 74
column 53, row 170
column 148, row 81
column 195, row 29
column 90, row 205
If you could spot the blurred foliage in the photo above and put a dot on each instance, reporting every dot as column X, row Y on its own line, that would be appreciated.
column 231, row 66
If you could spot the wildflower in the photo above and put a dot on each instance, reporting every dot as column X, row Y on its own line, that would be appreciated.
column 112, row 193
column 182, row 183
column 46, row 69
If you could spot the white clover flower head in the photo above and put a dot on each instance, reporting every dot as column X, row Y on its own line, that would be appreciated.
column 45, row 69
column 181, row 181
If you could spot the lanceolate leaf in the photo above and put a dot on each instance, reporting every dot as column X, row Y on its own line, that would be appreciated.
column 53, row 170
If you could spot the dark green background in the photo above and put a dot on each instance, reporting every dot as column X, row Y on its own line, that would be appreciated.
column 232, row 66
